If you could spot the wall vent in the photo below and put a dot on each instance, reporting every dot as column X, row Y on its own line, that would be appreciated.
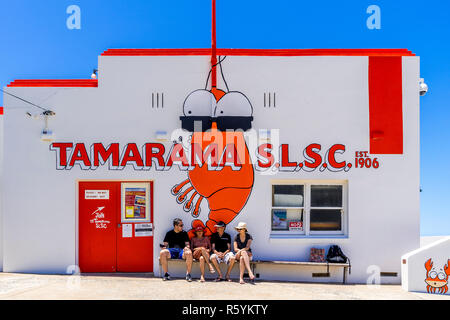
column 270, row 100
column 388, row 274
column 157, row 100
column 321, row 275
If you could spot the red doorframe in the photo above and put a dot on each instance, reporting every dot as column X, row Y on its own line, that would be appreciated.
column 102, row 247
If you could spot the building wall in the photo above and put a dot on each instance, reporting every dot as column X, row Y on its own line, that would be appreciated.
column 319, row 100
column 1, row 192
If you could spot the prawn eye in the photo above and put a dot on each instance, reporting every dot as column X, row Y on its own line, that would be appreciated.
column 234, row 111
column 199, row 103
column 197, row 110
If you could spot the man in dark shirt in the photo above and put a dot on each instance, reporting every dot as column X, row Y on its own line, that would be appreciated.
column 176, row 246
column 221, row 249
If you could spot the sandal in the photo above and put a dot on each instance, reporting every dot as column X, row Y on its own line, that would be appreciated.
column 211, row 269
column 218, row 279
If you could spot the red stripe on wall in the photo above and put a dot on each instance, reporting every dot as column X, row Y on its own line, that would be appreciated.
column 385, row 105
column 258, row 52
column 55, row 83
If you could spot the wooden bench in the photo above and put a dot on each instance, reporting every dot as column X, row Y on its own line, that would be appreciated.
column 344, row 266
column 254, row 263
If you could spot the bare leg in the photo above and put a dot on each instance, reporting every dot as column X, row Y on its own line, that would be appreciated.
column 244, row 255
column 187, row 255
column 202, row 269
column 241, row 270
column 216, row 264
column 164, row 255
column 230, row 266
column 205, row 254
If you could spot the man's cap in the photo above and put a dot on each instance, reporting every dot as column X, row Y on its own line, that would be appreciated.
column 220, row 224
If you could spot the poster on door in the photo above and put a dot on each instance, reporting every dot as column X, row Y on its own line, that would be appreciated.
column 135, row 204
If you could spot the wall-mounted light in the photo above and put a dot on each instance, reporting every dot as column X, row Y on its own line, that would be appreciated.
column 47, row 134
column 423, row 87
column 94, row 74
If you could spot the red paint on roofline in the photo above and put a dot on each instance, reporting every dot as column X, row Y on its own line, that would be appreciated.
column 89, row 83
column 259, row 52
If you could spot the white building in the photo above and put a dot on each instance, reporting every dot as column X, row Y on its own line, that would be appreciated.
column 347, row 119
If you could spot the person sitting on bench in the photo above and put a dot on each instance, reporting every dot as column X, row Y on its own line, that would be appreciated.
column 201, row 246
column 221, row 249
column 242, row 243
column 176, row 246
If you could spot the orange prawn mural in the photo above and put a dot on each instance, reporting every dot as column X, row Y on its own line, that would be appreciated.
column 224, row 175
column 436, row 280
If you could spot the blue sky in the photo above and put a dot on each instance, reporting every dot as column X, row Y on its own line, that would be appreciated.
column 35, row 43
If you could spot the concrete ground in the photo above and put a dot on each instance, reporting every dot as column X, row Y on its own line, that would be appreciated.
column 145, row 286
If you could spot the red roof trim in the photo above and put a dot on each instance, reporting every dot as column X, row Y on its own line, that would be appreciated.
column 90, row 83
column 157, row 52
column 259, row 52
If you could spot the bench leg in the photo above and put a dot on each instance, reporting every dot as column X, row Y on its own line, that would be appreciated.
column 345, row 275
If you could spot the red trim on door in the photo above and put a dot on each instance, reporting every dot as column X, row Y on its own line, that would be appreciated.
column 55, row 83
column 258, row 52
column 385, row 105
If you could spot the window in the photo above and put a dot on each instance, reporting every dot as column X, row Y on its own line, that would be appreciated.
column 309, row 209
column 287, row 207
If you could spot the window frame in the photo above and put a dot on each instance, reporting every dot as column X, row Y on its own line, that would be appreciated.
column 307, row 233
column 287, row 232
column 143, row 185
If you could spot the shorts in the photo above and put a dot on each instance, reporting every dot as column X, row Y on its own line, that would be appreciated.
column 225, row 259
column 176, row 253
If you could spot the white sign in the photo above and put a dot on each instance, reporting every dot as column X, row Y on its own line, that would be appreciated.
column 143, row 230
column 127, row 230
column 99, row 219
column 96, row 194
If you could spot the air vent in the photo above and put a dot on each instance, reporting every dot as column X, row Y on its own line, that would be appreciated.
column 388, row 274
column 321, row 275
column 270, row 100
column 157, row 100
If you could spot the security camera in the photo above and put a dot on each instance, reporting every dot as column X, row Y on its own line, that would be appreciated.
column 423, row 88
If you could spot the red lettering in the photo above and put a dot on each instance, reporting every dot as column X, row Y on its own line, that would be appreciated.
column 159, row 155
column 264, row 151
column 80, row 154
column 311, row 152
column 177, row 155
column 62, row 152
column 99, row 152
column 285, row 157
column 331, row 156
column 131, row 154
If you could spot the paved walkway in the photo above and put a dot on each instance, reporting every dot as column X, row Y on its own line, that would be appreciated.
column 143, row 286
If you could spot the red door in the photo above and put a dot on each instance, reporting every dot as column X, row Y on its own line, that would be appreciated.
column 115, row 226
column 98, row 206
column 135, row 228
